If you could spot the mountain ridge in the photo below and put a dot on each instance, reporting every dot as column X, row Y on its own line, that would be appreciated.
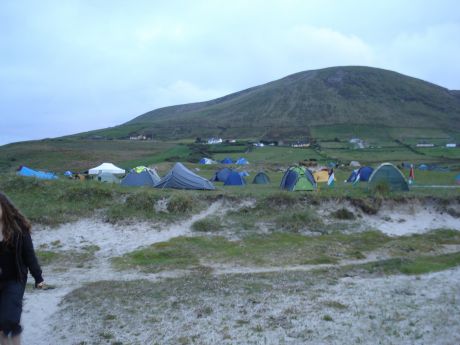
column 290, row 106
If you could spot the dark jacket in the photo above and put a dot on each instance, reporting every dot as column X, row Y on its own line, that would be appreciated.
column 26, row 259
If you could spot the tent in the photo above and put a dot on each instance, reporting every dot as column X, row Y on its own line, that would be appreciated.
column 221, row 175
column 227, row 161
column 25, row 171
column 388, row 174
column 298, row 178
column 355, row 164
column 261, row 178
column 234, row 179
column 106, row 167
column 138, row 178
column 457, row 179
column 107, row 177
column 242, row 161
column 423, row 167
column 206, row 161
column 68, row 173
column 179, row 177
column 321, row 176
column 243, row 173
column 363, row 172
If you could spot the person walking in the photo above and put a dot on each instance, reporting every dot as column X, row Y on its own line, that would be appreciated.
column 17, row 257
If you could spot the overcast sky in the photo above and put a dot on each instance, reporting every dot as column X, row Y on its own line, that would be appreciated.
column 68, row 66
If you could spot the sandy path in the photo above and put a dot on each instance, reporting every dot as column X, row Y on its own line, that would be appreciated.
column 112, row 240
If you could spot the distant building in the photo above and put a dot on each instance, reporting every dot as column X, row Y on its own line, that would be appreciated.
column 451, row 145
column 259, row 144
column 424, row 145
column 213, row 141
column 300, row 144
column 138, row 137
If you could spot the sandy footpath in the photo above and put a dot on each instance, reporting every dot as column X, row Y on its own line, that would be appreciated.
column 386, row 310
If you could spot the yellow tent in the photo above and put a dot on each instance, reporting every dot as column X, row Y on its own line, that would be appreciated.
column 321, row 176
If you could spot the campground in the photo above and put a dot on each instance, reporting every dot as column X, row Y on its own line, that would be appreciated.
column 249, row 264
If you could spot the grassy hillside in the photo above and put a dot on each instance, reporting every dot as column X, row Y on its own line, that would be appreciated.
column 295, row 105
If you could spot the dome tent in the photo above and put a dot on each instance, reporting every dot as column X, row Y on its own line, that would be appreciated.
column 141, row 176
column 221, row 175
column 206, row 161
column 261, row 178
column 390, row 175
column 242, row 161
column 364, row 173
column 298, row 178
column 234, row 179
column 179, row 177
column 227, row 161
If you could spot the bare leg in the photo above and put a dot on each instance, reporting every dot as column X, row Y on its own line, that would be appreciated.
column 4, row 339
column 16, row 340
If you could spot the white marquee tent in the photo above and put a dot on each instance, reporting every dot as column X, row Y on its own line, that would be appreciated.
column 106, row 167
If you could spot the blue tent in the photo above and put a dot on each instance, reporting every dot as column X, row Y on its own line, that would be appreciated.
column 242, row 161
column 68, row 173
column 364, row 173
column 234, row 179
column 243, row 173
column 206, row 161
column 227, row 161
column 221, row 175
column 146, row 177
column 179, row 177
column 25, row 171
column 353, row 176
column 423, row 167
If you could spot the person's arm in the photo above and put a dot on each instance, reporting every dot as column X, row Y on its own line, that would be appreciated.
column 30, row 259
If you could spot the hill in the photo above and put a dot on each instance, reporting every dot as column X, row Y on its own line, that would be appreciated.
column 290, row 107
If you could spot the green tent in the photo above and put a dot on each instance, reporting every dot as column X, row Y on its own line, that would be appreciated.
column 298, row 178
column 261, row 178
column 390, row 175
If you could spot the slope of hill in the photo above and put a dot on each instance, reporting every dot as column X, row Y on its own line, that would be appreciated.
column 291, row 106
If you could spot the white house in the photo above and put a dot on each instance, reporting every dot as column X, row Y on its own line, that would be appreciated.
column 215, row 141
column 451, row 145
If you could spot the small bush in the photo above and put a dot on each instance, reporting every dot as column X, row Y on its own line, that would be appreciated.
column 296, row 221
column 180, row 203
column 207, row 224
column 143, row 200
column 343, row 213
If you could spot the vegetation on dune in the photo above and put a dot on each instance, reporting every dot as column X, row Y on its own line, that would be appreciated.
column 279, row 249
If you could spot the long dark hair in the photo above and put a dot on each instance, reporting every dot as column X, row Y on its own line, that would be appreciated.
column 14, row 222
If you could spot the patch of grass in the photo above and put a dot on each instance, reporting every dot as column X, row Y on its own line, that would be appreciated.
column 298, row 220
column 344, row 214
column 335, row 305
column 180, row 203
column 328, row 318
column 207, row 224
column 415, row 265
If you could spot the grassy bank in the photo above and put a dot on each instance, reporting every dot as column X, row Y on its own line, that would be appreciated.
column 280, row 249
column 59, row 201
